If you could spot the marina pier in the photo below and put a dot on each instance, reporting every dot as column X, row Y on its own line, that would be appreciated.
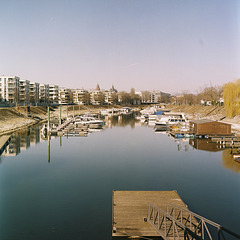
column 130, row 211
column 160, row 215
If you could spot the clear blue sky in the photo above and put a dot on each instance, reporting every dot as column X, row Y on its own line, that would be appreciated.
column 167, row 45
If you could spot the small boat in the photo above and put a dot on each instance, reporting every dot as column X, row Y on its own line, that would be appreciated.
column 86, row 120
column 110, row 112
column 126, row 111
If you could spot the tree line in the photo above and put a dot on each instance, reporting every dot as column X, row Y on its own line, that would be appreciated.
column 230, row 92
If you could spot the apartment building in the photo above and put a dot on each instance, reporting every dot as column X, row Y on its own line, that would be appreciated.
column 155, row 97
column 9, row 88
column 34, row 92
column 111, row 96
column 97, row 96
column 24, row 86
column 43, row 93
column 81, row 96
column 53, row 94
column 65, row 96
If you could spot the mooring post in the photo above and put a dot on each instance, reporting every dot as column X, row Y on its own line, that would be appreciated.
column 73, row 111
column 67, row 111
column 49, row 137
column 79, row 109
column 48, row 121
column 60, row 115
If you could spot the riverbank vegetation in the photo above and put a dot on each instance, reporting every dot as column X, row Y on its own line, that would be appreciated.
column 231, row 95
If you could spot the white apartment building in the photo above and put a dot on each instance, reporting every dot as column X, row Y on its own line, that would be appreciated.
column 43, row 93
column 24, row 86
column 65, row 96
column 9, row 88
column 155, row 97
column 53, row 94
column 34, row 93
column 97, row 96
column 81, row 96
column 109, row 95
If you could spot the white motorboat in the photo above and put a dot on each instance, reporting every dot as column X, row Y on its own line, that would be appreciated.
column 86, row 120
column 110, row 112
column 170, row 119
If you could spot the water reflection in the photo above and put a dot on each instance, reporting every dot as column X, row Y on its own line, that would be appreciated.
column 228, row 160
column 120, row 121
column 70, row 197
column 22, row 140
column 25, row 138
column 205, row 145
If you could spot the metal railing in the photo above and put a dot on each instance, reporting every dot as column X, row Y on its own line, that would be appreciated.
column 180, row 223
column 206, row 228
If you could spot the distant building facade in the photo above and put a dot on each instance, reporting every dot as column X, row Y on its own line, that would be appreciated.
column 97, row 96
column 34, row 93
column 81, row 96
column 14, row 90
column 24, row 86
column 44, row 93
column 65, row 96
column 110, row 97
column 53, row 94
column 9, row 88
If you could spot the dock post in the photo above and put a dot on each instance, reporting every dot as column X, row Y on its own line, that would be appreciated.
column 48, row 127
column 49, row 137
column 79, row 109
column 73, row 111
column 60, row 115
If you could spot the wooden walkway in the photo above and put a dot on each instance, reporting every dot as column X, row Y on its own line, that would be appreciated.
column 130, row 208
column 227, row 141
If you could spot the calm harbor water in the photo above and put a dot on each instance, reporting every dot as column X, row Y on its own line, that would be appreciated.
column 65, row 192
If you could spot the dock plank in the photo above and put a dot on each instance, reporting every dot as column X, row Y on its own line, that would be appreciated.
column 131, row 207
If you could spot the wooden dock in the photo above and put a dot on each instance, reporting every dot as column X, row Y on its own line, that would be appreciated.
column 130, row 209
column 233, row 141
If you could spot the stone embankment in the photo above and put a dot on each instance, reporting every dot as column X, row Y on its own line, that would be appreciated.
column 12, row 119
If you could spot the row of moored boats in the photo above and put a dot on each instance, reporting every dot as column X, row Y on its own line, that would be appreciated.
column 164, row 120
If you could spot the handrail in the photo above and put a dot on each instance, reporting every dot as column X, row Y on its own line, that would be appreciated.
column 203, row 221
column 167, row 226
column 170, row 226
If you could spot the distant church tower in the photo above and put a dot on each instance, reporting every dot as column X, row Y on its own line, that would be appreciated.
column 113, row 89
column 98, row 88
